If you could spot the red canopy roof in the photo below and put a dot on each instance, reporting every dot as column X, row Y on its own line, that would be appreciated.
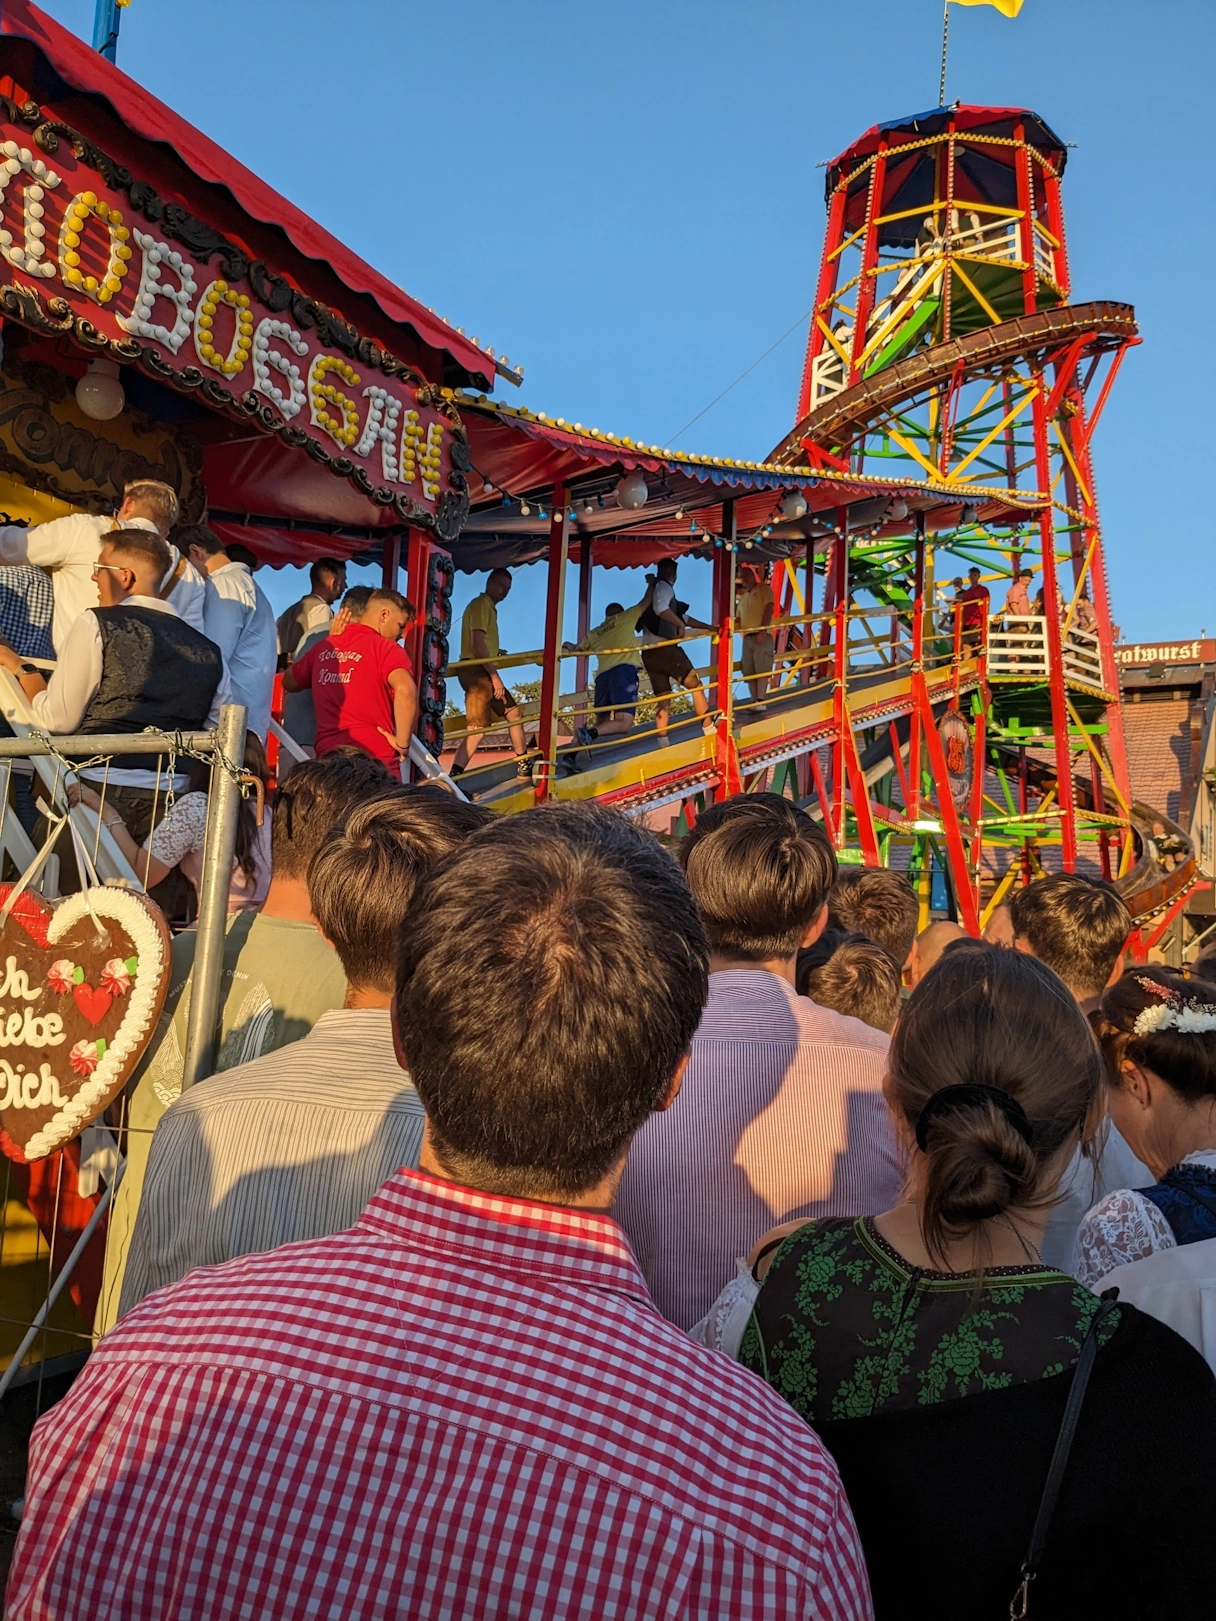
column 87, row 71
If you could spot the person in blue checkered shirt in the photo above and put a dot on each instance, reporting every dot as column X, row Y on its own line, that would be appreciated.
column 27, row 606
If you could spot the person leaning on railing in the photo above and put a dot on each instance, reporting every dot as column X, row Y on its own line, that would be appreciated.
column 178, row 840
column 128, row 665
column 662, row 621
column 615, row 695
column 485, row 695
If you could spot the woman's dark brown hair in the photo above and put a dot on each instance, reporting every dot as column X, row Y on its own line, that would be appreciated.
column 1184, row 1059
column 1000, row 1019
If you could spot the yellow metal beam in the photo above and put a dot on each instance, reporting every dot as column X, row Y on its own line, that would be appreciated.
column 996, row 432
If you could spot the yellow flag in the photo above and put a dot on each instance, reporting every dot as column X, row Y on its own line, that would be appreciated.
column 1007, row 8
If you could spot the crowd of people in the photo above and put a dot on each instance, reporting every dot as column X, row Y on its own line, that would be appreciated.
column 117, row 625
column 577, row 1227
column 574, row 1226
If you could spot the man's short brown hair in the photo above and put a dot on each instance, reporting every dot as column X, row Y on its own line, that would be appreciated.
column 860, row 979
column 552, row 973
column 196, row 534
column 760, row 870
column 158, row 501
column 316, row 798
column 1077, row 925
column 140, row 549
column 361, row 882
column 385, row 593
column 878, row 903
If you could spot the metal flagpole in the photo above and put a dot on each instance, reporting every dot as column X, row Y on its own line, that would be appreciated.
column 105, row 27
column 941, row 92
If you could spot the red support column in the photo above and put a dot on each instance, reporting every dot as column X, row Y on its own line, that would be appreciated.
column 551, row 673
column 912, row 805
column 867, row 286
column 1055, row 657
column 729, row 781
column 828, row 271
column 840, row 665
column 417, row 562
column 586, row 547
column 1025, row 185
column 956, row 851
column 391, row 558
column 1116, row 741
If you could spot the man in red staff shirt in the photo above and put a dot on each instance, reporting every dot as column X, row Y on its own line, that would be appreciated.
column 362, row 682
column 975, row 611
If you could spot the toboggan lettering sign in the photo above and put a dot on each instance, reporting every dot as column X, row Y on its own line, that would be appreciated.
column 89, row 251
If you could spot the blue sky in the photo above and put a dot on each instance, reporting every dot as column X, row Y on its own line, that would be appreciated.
column 624, row 196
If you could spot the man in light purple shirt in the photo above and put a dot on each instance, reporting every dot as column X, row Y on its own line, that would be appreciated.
column 781, row 1113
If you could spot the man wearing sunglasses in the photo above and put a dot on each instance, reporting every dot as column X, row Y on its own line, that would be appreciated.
column 128, row 664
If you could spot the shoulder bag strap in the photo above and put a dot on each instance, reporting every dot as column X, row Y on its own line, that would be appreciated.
column 1018, row 1608
column 169, row 585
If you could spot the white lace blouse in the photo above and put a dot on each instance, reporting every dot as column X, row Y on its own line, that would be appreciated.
column 722, row 1327
column 1124, row 1227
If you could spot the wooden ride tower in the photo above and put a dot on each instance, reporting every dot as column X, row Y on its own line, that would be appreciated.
column 945, row 347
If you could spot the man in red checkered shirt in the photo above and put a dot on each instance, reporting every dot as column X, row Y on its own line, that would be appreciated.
column 466, row 1405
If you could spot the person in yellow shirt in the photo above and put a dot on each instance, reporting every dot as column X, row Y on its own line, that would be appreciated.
column 485, row 696
column 755, row 621
column 616, row 671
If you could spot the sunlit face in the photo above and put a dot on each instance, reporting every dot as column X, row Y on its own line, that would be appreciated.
column 113, row 579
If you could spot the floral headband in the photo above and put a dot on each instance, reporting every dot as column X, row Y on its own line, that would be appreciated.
column 1171, row 1012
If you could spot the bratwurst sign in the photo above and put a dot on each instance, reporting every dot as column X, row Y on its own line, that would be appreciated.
column 90, row 251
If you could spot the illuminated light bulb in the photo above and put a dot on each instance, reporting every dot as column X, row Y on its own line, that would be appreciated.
column 631, row 490
column 679, row 512
column 99, row 394
column 525, row 509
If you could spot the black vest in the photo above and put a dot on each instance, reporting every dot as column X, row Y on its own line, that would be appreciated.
column 156, row 671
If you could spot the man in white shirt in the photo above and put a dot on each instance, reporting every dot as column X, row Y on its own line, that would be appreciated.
column 239, row 620
column 294, row 1144
column 128, row 664
column 67, row 548
column 327, row 582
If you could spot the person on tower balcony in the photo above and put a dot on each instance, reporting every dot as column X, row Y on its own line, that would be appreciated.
column 975, row 600
column 129, row 664
column 67, row 549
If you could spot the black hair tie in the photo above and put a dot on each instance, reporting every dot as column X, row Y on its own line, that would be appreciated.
column 967, row 1096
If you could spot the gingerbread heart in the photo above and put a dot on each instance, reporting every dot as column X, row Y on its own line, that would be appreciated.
column 81, row 987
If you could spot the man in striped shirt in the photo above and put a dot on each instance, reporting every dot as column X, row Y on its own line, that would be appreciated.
column 467, row 1405
column 782, row 1112
column 294, row 1144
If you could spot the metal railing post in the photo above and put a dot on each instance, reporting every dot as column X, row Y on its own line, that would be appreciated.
column 219, row 844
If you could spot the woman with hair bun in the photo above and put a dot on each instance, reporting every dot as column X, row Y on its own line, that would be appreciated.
column 935, row 1354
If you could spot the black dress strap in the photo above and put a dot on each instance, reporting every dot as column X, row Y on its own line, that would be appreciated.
column 1019, row 1606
